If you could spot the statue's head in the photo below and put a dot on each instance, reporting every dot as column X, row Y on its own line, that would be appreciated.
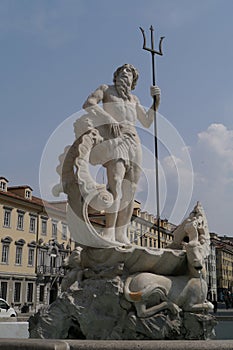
column 132, row 69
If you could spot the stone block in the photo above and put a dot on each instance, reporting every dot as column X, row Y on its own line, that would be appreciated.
column 14, row 330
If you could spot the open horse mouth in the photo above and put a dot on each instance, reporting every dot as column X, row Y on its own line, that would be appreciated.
column 197, row 264
column 198, row 267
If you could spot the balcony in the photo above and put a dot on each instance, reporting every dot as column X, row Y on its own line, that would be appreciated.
column 49, row 270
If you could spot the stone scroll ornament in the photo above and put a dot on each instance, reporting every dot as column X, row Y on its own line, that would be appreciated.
column 81, row 189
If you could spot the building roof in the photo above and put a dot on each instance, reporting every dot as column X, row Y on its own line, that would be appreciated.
column 34, row 200
column 3, row 178
column 12, row 188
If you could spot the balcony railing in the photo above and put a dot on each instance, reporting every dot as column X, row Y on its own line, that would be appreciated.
column 49, row 270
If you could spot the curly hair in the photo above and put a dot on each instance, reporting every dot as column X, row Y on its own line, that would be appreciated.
column 133, row 70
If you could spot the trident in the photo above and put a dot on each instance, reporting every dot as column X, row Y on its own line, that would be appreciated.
column 153, row 53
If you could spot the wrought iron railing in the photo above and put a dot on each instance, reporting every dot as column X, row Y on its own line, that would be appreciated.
column 49, row 270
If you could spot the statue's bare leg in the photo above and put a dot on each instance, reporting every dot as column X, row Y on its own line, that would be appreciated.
column 129, row 187
column 143, row 311
column 115, row 175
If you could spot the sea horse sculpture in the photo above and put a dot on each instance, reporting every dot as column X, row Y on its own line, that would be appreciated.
column 151, row 292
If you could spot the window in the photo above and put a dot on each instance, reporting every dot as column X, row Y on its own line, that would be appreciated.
column 20, row 220
column 3, row 305
column 28, row 194
column 63, row 256
column 3, row 290
column 41, row 295
column 44, row 226
column 17, row 292
column 5, row 253
column 30, row 292
column 53, row 260
column 18, row 255
column 42, row 256
column 31, row 256
column 3, row 186
column 7, row 218
column 32, row 227
column 64, row 232
column 54, row 229
column 41, row 265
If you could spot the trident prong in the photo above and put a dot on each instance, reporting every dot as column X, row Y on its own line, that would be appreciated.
column 153, row 53
column 152, row 42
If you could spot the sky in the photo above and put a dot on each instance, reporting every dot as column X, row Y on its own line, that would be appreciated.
column 55, row 53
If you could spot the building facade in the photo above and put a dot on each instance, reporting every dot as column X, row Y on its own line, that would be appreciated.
column 211, row 273
column 143, row 229
column 33, row 245
column 223, row 247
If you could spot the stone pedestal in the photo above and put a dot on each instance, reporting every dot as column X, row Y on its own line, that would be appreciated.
column 99, row 311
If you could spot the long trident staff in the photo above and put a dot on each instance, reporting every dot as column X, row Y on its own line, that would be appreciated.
column 153, row 53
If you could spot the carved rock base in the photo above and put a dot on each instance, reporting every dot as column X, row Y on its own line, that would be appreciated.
column 100, row 311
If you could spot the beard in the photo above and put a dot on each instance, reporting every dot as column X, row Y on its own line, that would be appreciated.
column 123, row 88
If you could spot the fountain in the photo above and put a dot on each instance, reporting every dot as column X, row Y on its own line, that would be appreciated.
column 115, row 290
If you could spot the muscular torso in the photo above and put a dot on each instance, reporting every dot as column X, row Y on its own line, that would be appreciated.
column 117, row 109
column 122, row 111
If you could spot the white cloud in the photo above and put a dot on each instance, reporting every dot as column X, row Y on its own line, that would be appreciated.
column 212, row 159
column 213, row 165
column 214, row 154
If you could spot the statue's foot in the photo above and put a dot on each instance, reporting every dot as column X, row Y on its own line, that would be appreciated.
column 175, row 310
column 122, row 238
column 109, row 234
column 206, row 306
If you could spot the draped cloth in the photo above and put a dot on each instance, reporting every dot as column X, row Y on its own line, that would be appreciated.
column 126, row 147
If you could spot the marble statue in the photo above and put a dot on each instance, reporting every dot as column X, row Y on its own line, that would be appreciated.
column 74, row 274
column 114, row 289
column 107, row 136
column 119, row 113
column 152, row 293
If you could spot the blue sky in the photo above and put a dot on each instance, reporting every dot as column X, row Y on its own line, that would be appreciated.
column 54, row 53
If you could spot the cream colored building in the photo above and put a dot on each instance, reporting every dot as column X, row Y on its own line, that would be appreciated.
column 143, row 229
column 224, row 266
column 33, row 245
column 211, row 270
column 220, row 266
